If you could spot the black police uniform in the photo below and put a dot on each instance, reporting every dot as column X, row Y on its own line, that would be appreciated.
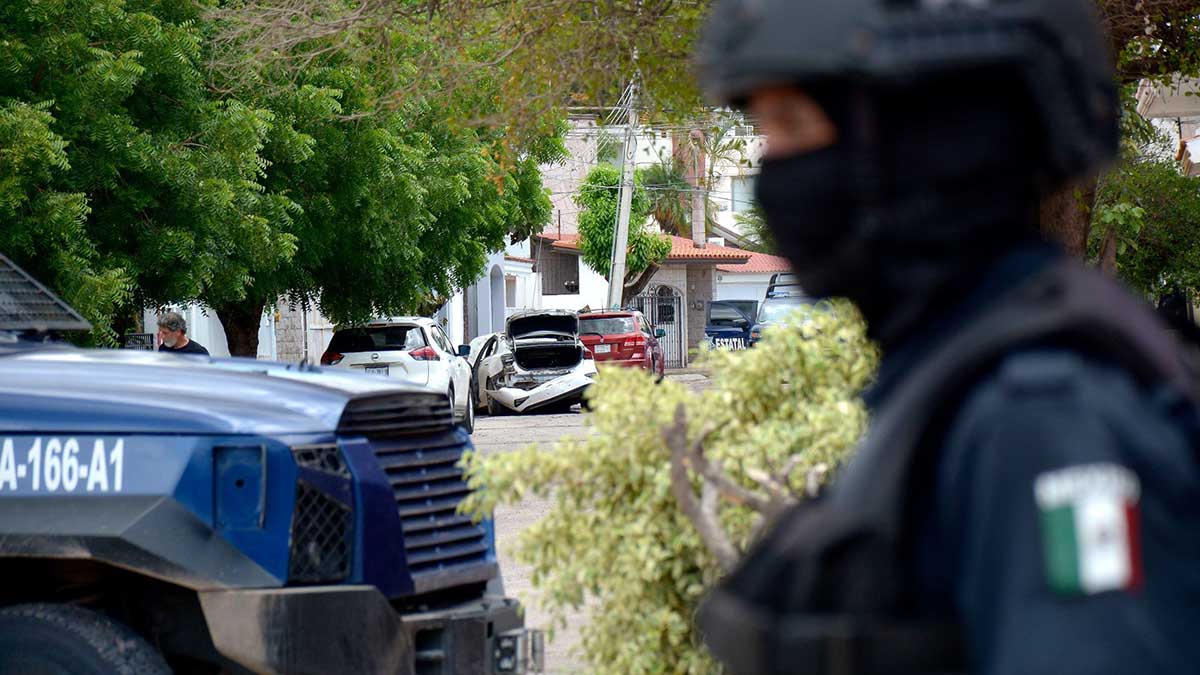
column 980, row 557
column 1026, row 498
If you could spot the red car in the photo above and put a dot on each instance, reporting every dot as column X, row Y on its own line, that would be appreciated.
column 623, row 339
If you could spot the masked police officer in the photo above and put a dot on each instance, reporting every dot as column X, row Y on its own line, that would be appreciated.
column 1028, row 497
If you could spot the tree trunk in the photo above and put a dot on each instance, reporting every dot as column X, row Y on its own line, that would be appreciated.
column 241, row 322
column 1108, row 253
column 1066, row 215
column 634, row 287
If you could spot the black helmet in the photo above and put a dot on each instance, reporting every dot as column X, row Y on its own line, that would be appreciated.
column 1054, row 48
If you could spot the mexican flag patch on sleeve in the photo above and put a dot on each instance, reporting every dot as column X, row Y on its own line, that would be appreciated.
column 1090, row 528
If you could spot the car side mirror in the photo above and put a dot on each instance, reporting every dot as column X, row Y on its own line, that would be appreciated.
column 741, row 323
column 464, row 350
column 659, row 332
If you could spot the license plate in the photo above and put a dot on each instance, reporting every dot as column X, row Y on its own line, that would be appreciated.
column 603, row 349
column 377, row 370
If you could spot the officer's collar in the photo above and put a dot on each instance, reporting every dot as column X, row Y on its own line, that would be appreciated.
column 943, row 319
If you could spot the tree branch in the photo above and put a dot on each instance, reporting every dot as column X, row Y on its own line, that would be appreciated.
column 702, row 515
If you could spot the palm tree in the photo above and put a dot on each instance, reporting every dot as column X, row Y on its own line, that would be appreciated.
column 668, row 188
column 705, row 148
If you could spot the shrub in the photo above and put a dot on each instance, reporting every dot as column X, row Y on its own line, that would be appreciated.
column 616, row 537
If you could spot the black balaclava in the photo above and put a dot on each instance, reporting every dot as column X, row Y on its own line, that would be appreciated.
column 920, row 193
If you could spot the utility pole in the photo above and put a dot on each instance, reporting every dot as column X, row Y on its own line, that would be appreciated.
column 616, row 276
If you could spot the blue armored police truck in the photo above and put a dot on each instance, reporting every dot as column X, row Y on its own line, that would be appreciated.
column 163, row 513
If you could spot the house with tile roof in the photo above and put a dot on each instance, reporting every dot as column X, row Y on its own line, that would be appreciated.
column 676, row 298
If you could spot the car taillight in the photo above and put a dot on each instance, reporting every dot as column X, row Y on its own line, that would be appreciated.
column 587, row 354
column 331, row 358
column 637, row 341
column 424, row 354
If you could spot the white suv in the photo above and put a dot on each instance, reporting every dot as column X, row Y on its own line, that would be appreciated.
column 413, row 349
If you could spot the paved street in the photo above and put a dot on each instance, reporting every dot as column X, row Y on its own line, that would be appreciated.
column 505, row 434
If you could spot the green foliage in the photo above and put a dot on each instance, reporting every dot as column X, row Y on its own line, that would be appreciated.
column 615, row 540
column 522, row 62
column 44, row 229
column 754, row 225
column 131, row 176
column 1153, row 210
column 599, row 200
column 670, row 195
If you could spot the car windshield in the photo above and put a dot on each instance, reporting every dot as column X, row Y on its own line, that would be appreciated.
column 609, row 325
column 775, row 310
column 377, row 339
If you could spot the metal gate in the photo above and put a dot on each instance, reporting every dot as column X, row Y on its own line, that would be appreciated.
column 663, row 307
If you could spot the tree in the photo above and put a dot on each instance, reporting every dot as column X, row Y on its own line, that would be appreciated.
column 396, row 206
column 637, row 529
column 758, row 235
column 547, row 54
column 1146, row 217
column 557, row 53
column 131, row 177
column 128, row 184
column 704, row 148
column 598, row 200
column 669, row 193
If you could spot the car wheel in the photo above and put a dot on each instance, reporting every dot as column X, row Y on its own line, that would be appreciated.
column 47, row 638
column 495, row 409
column 468, row 423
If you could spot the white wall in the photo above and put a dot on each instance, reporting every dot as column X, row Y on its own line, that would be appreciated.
column 742, row 286
column 593, row 292
column 204, row 327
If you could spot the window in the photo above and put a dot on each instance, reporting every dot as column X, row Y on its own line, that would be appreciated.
column 666, row 303
column 560, row 272
column 377, row 339
column 724, row 315
column 644, row 324
column 510, row 291
column 608, row 325
column 442, row 340
column 742, row 195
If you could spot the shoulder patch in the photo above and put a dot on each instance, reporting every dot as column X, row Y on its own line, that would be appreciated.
column 1090, row 528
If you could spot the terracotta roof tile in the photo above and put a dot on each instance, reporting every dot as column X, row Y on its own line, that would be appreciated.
column 759, row 263
column 681, row 249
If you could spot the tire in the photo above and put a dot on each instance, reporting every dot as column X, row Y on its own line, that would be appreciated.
column 495, row 409
column 52, row 639
column 468, row 422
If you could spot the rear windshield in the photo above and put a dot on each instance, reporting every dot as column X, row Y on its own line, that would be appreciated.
column 775, row 310
column 609, row 325
column 377, row 339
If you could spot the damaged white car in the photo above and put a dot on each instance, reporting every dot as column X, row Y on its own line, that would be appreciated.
column 537, row 364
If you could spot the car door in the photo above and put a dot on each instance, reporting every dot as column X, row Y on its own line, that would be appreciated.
column 460, row 370
column 653, row 344
column 727, row 327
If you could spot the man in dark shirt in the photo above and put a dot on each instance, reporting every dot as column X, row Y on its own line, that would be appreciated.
column 172, row 336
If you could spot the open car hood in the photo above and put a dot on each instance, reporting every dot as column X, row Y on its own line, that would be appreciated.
column 533, row 323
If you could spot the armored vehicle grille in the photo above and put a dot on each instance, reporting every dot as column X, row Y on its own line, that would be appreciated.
column 428, row 486
column 27, row 305
column 322, row 537
column 396, row 415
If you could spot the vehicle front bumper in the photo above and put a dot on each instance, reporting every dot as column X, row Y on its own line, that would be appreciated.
column 353, row 629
